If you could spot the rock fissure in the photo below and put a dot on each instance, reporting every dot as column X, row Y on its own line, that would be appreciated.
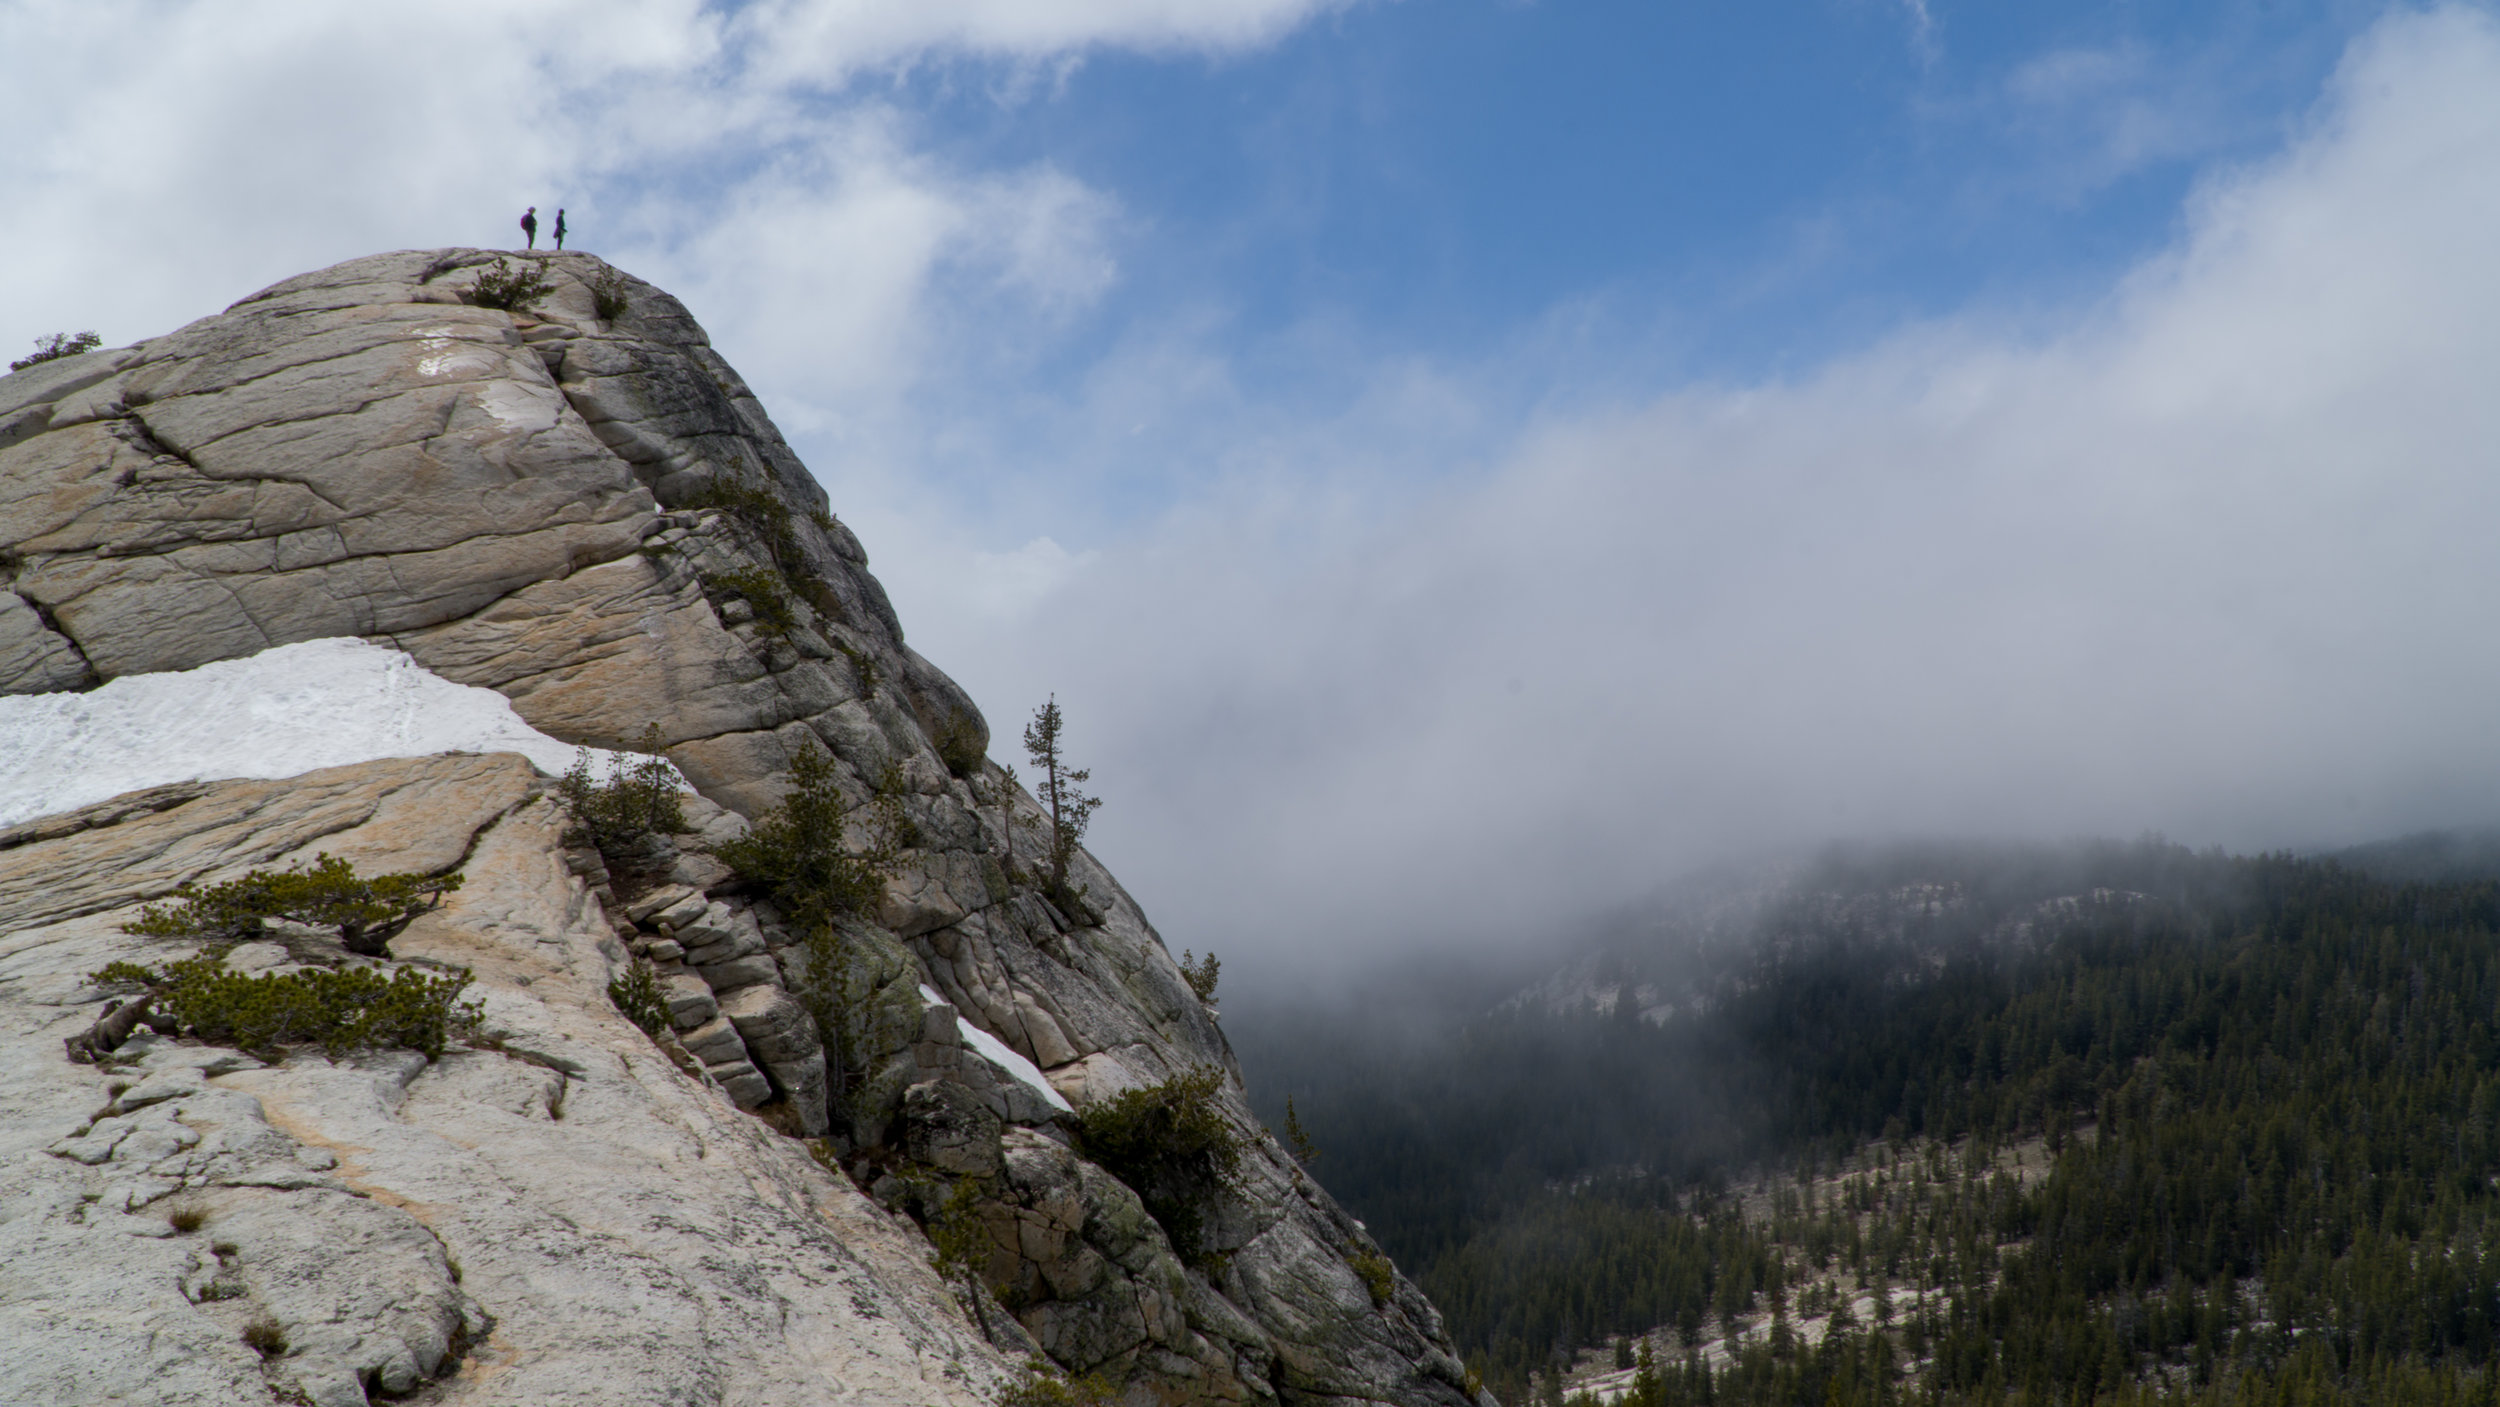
column 52, row 623
column 130, row 427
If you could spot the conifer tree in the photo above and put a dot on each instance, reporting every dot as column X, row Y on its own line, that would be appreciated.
column 1060, row 789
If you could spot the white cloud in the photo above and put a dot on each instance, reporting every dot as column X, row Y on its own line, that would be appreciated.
column 833, row 40
column 2213, row 559
column 166, row 158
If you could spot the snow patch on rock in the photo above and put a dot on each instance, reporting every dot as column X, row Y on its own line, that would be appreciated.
column 1000, row 1054
column 279, row 713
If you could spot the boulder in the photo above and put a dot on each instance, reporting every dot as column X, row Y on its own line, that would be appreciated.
column 948, row 1127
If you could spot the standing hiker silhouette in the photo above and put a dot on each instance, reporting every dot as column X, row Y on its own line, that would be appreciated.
column 529, row 225
column 559, row 227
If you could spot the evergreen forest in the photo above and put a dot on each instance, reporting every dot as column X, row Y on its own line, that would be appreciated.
column 2113, row 1123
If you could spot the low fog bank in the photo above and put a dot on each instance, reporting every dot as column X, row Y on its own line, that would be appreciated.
column 1676, row 952
column 2207, row 557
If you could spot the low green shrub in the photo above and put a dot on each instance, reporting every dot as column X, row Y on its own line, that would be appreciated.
column 896, row 830
column 510, row 289
column 1200, row 973
column 764, row 593
column 954, row 1226
column 265, row 1337
column 366, row 912
column 755, row 506
column 638, row 995
column 607, row 294
column 1297, row 1138
column 1039, row 1383
column 338, row 1009
column 800, row 852
column 638, row 800
column 57, row 346
column 961, row 745
column 1377, row 1275
column 863, row 666
column 1172, row 1145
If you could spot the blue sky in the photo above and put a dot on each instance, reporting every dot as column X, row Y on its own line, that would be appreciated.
column 1700, row 191
column 1428, row 442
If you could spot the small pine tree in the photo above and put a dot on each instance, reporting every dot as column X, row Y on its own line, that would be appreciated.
column 1061, row 794
column 1297, row 1140
column 56, row 346
column 328, row 894
column 1200, row 973
column 800, row 851
column 638, row 800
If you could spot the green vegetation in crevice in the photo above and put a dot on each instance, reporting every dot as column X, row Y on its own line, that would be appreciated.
column 338, row 1009
column 801, row 854
column 1171, row 1143
column 638, row 802
column 637, row 995
column 764, row 518
column 365, row 912
column 895, row 827
column 57, row 345
column 768, row 521
column 509, row 289
column 1379, row 1277
column 959, row 745
column 1039, row 1383
column 1200, row 973
column 764, row 592
column 608, row 294
column 863, row 667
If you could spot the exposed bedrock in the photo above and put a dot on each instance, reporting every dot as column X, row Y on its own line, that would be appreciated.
column 594, row 517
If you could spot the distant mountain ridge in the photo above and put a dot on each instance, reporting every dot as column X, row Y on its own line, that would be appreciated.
column 2114, row 1122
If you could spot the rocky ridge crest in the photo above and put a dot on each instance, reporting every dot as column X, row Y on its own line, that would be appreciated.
column 579, row 505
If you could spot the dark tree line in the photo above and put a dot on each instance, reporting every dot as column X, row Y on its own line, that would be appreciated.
column 2269, row 1091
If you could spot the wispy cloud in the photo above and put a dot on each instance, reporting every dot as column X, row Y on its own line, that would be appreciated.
column 2205, row 559
column 1922, row 29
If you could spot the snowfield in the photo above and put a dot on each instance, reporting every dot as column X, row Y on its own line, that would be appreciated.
column 280, row 713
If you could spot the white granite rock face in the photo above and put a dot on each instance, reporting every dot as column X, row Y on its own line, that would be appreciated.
column 566, row 1218
column 596, row 519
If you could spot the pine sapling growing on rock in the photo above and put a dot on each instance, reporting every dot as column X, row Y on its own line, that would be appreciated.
column 1200, row 973
column 1173, row 1146
column 1061, row 794
column 1298, row 1139
column 637, row 802
column 607, row 294
column 637, row 994
column 57, row 346
column 509, row 289
column 801, row 854
column 1039, row 1383
column 366, row 912
column 1377, row 1274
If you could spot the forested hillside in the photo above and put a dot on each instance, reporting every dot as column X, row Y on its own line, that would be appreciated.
column 2070, row 1126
